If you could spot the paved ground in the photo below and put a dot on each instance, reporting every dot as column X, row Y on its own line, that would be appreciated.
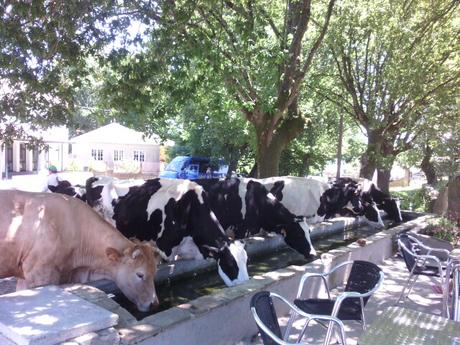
column 7, row 285
column 422, row 298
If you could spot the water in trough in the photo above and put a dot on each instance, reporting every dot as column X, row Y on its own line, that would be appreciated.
column 176, row 292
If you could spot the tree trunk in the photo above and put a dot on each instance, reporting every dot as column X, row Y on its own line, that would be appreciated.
column 407, row 177
column 232, row 167
column 368, row 165
column 339, row 147
column 273, row 138
column 253, row 172
column 383, row 179
column 427, row 166
column 369, row 157
column 453, row 210
column 268, row 159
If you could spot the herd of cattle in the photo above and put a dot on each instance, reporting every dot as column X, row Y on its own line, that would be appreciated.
column 119, row 229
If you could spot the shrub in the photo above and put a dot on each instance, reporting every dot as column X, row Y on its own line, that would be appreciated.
column 74, row 166
column 413, row 199
column 132, row 167
column 444, row 229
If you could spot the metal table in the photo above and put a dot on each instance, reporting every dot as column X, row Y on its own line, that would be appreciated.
column 401, row 326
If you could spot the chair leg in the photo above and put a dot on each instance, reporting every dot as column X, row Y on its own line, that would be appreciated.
column 302, row 332
column 363, row 319
column 412, row 285
column 445, row 297
column 327, row 341
column 404, row 289
column 292, row 318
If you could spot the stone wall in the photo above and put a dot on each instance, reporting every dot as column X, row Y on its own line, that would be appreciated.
column 224, row 317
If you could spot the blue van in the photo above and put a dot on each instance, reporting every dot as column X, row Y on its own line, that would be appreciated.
column 192, row 168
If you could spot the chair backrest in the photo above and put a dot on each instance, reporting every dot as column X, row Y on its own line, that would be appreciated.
column 406, row 246
column 263, row 305
column 364, row 276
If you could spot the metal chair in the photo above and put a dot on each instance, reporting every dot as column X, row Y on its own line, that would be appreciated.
column 420, row 260
column 264, row 313
column 363, row 280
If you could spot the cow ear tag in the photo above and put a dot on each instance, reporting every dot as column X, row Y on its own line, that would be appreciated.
column 283, row 232
column 113, row 254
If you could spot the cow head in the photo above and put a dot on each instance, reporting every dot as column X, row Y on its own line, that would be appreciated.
column 372, row 214
column 133, row 272
column 231, row 262
column 331, row 202
column 198, row 221
column 264, row 210
column 298, row 240
column 392, row 208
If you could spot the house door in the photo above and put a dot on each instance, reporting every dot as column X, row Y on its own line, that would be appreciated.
column 22, row 157
column 9, row 158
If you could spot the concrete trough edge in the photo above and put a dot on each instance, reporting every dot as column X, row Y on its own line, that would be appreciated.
column 224, row 317
column 256, row 245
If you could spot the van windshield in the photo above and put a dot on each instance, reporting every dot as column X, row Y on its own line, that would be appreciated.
column 176, row 164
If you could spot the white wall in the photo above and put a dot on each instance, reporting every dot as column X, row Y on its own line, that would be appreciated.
column 81, row 153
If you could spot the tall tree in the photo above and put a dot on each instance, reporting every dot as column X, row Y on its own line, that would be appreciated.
column 43, row 45
column 393, row 61
column 261, row 52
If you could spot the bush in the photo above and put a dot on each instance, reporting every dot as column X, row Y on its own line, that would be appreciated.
column 444, row 229
column 127, row 167
column 414, row 199
column 74, row 166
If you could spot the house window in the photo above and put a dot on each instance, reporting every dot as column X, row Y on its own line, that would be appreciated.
column 97, row 155
column 139, row 156
column 117, row 155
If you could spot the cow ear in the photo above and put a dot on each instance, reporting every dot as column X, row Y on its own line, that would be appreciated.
column 230, row 233
column 277, row 190
column 212, row 251
column 136, row 252
column 283, row 232
column 113, row 254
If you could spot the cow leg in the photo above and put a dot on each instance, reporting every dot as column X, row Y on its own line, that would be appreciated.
column 21, row 284
column 38, row 276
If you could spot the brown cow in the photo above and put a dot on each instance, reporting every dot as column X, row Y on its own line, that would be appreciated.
column 54, row 239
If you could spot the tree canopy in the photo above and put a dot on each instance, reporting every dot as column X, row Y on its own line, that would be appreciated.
column 395, row 63
column 256, row 82
column 43, row 46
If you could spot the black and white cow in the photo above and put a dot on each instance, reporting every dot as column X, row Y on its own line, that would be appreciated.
column 102, row 193
column 384, row 202
column 345, row 197
column 245, row 206
column 300, row 195
column 317, row 200
column 173, row 213
column 65, row 187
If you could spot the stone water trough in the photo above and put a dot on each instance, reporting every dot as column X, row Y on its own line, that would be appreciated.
column 85, row 315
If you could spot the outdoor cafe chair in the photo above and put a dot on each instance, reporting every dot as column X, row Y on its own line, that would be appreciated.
column 264, row 313
column 420, row 260
column 363, row 280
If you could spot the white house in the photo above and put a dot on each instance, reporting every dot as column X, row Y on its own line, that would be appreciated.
column 17, row 158
column 116, row 148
